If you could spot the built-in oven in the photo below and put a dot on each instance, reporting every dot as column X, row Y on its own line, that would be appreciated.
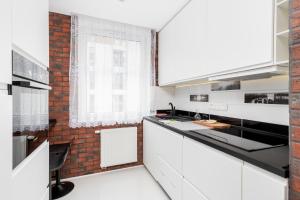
column 30, row 89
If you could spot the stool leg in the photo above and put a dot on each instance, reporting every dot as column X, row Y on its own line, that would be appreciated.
column 60, row 189
column 57, row 177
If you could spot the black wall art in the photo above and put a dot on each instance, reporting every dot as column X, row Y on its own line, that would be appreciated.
column 199, row 98
column 267, row 98
column 226, row 85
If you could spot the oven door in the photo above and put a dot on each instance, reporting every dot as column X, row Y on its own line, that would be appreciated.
column 30, row 118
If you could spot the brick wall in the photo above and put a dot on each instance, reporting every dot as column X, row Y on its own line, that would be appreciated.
column 295, row 100
column 84, row 157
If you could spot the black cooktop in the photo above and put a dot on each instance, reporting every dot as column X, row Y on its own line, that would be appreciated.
column 245, row 138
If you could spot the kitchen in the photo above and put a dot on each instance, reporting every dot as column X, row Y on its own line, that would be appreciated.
column 139, row 99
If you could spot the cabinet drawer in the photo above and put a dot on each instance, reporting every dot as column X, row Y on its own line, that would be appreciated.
column 171, row 148
column 32, row 175
column 189, row 192
column 151, row 147
column 259, row 184
column 170, row 180
column 216, row 174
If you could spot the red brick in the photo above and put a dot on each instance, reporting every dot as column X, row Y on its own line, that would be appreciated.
column 295, row 84
column 295, row 183
column 84, row 157
column 296, row 150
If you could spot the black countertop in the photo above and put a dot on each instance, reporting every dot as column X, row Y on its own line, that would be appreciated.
column 275, row 160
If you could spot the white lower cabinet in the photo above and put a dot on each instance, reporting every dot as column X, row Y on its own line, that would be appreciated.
column 171, row 148
column 46, row 195
column 151, row 147
column 259, row 184
column 190, row 170
column 31, row 177
column 159, row 141
column 170, row 180
column 5, row 144
column 189, row 192
column 217, row 175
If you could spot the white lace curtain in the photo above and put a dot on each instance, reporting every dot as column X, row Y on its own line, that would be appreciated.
column 110, row 72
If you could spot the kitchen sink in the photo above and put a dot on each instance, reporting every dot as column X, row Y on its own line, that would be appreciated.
column 173, row 118
column 182, row 125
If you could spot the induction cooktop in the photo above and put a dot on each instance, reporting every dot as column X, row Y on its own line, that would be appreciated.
column 244, row 139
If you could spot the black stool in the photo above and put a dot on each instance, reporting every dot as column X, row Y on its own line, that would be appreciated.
column 58, row 156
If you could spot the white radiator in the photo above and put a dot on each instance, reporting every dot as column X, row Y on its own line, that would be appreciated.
column 118, row 146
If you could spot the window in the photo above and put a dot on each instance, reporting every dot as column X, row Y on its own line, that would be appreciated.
column 110, row 73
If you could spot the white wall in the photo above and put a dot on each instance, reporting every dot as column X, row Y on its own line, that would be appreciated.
column 161, row 97
column 233, row 101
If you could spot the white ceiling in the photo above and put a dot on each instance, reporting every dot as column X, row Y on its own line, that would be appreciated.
column 147, row 13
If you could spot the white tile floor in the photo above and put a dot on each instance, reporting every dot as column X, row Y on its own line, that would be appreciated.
column 129, row 184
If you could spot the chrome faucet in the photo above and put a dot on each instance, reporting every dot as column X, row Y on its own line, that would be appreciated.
column 172, row 109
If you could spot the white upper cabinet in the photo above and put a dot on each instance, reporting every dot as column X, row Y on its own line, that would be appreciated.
column 240, row 34
column 183, row 44
column 212, row 37
column 5, row 41
column 31, row 29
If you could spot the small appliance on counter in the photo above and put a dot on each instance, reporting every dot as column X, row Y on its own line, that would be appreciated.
column 30, row 88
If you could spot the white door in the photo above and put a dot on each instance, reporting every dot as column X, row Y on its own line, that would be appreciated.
column 217, row 175
column 46, row 196
column 259, row 184
column 34, row 170
column 5, row 41
column 5, row 144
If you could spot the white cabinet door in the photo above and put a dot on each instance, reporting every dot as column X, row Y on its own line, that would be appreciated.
column 189, row 192
column 216, row 174
column 31, row 28
column 171, row 148
column 5, row 144
column 159, row 141
column 259, row 184
column 210, row 37
column 46, row 196
column 151, row 147
column 170, row 180
column 32, row 175
column 5, row 41
column 183, row 45
column 240, row 34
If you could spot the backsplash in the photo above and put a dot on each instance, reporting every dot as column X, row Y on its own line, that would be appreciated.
column 230, row 103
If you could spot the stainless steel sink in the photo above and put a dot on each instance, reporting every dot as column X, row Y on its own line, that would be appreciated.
column 182, row 125
column 174, row 118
